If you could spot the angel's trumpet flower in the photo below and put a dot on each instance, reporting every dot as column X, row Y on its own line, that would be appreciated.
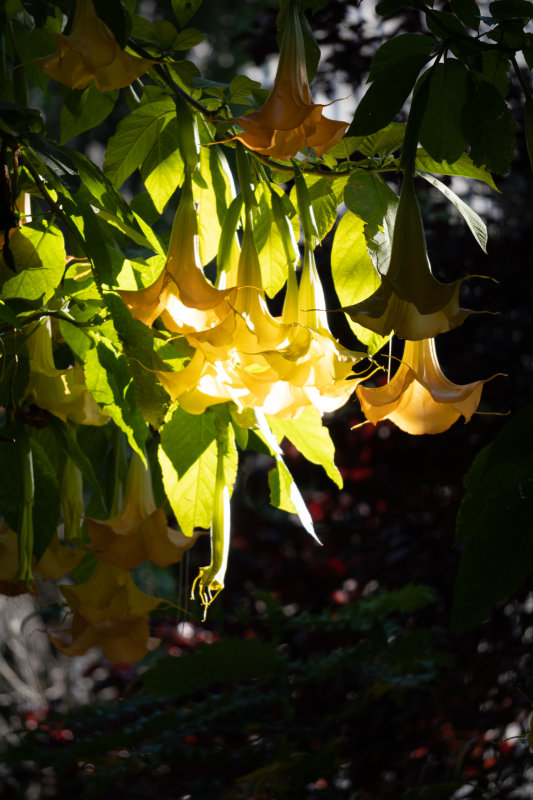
column 109, row 612
column 62, row 392
column 182, row 295
column 91, row 52
column 139, row 532
column 410, row 301
column 419, row 398
column 290, row 119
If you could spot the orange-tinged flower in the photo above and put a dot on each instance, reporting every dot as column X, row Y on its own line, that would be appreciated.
column 419, row 398
column 110, row 612
column 139, row 532
column 290, row 119
column 90, row 52
column 410, row 301
column 62, row 392
column 182, row 295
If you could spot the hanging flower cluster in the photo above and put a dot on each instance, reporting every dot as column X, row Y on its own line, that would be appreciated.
column 202, row 361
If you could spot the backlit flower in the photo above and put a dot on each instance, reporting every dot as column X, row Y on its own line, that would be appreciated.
column 182, row 295
column 139, row 532
column 58, row 559
column 90, row 52
column 62, row 392
column 290, row 119
column 419, row 398
column 109, row 612
column 410, row 301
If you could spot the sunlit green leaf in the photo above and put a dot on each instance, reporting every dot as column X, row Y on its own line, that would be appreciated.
column 39, row 254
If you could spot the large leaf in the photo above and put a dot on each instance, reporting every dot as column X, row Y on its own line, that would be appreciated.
column 57, row 159
column 188, row 459
column 441, row 132
column 311, row 438
column 386, row 95
column 228, row 660
column 272, row 256
column 396, row 50
column 85, row 109
column 39, row 254
column 495, row 521
column 375, row 203
column 162, row 169
column 213, row 195
column 135, row 136
column 463, row 167
column 489, row 126
column 354, row 274
column 472, row 219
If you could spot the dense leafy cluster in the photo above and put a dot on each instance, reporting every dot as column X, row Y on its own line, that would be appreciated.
column 140, row 349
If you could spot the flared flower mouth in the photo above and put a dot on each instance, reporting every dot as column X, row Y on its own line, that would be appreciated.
column 62, row 392
column 419, row 398
column 290, row 120
column 90, row 52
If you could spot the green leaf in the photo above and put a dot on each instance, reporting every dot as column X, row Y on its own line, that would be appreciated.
column 85, row 109
column 109, row 381
column 188, row 38
column 463, row 167
column 57, row 160
column 511, row 9
column 440, row 133
column 65, row 436
column 229, row 660
column 354, row 276
column 188, row 459
column 383, row 142
column 386, row 95
column 467, row 11
column 397, row 49
column 184, row 10
column 15, row 370
column 489, row 126
column 39, row 253
column 135, row 137
column 213, row 199
column 473, row 220
column 311, row 438
column 375, row 203
column 495, row 522
column 162, row 169
column 46, row 504
column 284, row 492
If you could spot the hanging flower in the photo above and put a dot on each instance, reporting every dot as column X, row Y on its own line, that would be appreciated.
column 182, row 295
column 139, row 532
column 109, row 612
column 410, row 301
column 62, row 392
column 290, row 119
column 419, row 398
column 90, row 52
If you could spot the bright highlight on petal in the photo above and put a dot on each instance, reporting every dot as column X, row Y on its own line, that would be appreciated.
column 90, row 52
column 419, row 398
column 290, row 120
column 62, row 392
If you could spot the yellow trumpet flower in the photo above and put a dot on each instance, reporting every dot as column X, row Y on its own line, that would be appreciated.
column 419, row 398
column 90, row 52
column 62, row 392
column 139, row 532
column 290, row 119
column 109, row 612
column 182, row 295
